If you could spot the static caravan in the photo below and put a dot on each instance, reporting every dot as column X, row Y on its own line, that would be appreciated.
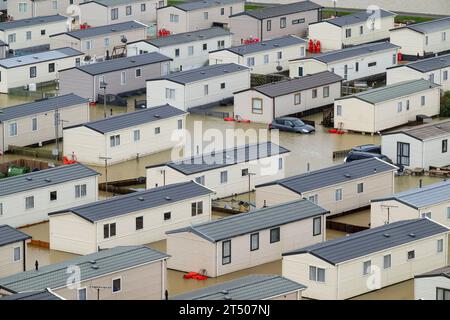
column 38, row 68
column 338, row 189
column 228, row 172
column 274, row 21
column 34, row 122
column 387, row 107
column 120, row 75
column 26, row 199
column 32, row 34
column 246, row 240
column 264, row 57
column 432, row 201
column 252, row 287
column 133, row 219
column 358, row 62
column 125, row 136
column 423, row 39
column 25, row 9
column 188, row 50
column 353, row 29
column 435, row 69
column 122, row 273
column 13, row 250
column 197, row 15
column 205, row 86
column 266, row 102
column 101, row 43
column 96, row 13
column 433, row 285
column 368, row 260
column 419, row 147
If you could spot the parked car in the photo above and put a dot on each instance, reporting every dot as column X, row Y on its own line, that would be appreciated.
column 291, row 124
column 372, row 148
column 359, row 155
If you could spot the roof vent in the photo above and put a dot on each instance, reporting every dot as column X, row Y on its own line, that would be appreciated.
column 95, row 267
column 113, row 30
column 386, row 235
column 29, row 178
column 92, row 261
column 168, row 198
column 276, row 45
column 226, row 71
column 263, row 43
column 375, row 170
column 202, row 72
column 224, row 292
column 132, row 61
column 412, row 235
column 140, row 198
column 18, row 60
column 34, row 57
column 227, row 297
column 347, row 175
column 157, row 116
column 48, row 180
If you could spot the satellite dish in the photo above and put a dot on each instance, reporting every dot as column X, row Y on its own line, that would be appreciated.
column 87, row 58
column 124, row 40
column 279, row 68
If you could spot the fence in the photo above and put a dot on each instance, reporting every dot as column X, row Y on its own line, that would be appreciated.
column 260, row 79
column 32, row 152
column 340, row 154
column 343, row 227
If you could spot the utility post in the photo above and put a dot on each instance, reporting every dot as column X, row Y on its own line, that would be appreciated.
column 388, row 211
column 106, row 173
column 249, row 174
column 103, row 86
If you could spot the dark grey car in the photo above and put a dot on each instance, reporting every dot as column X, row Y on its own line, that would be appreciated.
column 291, row 124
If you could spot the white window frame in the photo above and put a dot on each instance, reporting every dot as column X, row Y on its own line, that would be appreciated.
column 85, row 294
column 112, row 285
column 34, row 124
column 385, row 260
column 123, row 78
column 15, row 132
column 223, row 177
column 136, row 135
column 336, row 194
column 26, row 203
column 14, row 254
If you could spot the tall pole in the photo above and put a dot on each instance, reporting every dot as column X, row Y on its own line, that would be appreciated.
column 249, row 174
column 104, row 101
column 106, row 173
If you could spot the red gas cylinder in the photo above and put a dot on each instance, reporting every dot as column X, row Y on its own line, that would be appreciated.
column 310, row 45
column 399, row 57
column 318, row 47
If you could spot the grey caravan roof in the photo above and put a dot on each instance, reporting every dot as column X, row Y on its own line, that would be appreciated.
column 106, row 262
column 29, row 22
column 280, row 10
column 131, row 119
column 45, row 178
column 224, row 158
column 428, row 26
column 422, row 197
column 252, row 287
column 187, row 37
column 284, row 87
column 430, row 64
column 137, row 201
column 202, row 73
column 352, row 52
column 358, row 17
column 40, row 106
column 276, row 43
column 256, row 220
column 195, row 5
column 122, row 63
column 440, row 272
column 39, row 57
column 393, row 91
column 426, row 131
column 10, row 235
column 333, row 175
column 104, row 30
column 110, row 3
column 33, row 295
column 373, row 240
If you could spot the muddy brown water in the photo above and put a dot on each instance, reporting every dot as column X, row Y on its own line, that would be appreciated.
column 307, row 151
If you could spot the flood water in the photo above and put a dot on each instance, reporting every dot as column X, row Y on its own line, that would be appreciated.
column 307, row 152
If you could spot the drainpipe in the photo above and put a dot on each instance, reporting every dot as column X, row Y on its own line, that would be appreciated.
column 217, row 259
column 337, row 282
column 262, row 22
column 24, row 255
column 273, row 108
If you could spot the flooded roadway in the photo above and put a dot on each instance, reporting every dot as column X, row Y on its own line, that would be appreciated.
column 313, row 151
